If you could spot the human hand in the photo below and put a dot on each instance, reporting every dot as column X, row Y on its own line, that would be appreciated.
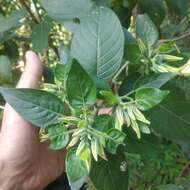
column 25, row 163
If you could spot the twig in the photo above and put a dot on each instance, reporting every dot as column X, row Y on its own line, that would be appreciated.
column 119, row 72
column 185, row 35
column 37, row 21
column 23, row 2
column 38, row 17
column 184, row 171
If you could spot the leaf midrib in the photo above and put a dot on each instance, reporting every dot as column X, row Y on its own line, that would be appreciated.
column 33, row 104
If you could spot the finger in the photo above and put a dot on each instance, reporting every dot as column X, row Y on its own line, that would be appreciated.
column 32, row 73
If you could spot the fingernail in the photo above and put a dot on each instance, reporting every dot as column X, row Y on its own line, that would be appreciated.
column 29, row 55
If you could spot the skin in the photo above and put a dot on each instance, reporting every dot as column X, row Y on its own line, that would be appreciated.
column 25, row 163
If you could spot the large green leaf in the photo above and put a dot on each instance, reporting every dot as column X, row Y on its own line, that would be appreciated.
column 5, row 69
column 40, row 36
column 111, row 174
column 148, row 146
column 171, row 118
column 12, row 21
column 146, row 30
column 76, row 170
column 38, row 107
column 98, row 43
column 62, row 10
column 81, row 89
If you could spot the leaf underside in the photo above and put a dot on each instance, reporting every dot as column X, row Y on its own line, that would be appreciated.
column 36, row 106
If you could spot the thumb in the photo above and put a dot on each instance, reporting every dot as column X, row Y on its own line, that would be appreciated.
column 32, row 72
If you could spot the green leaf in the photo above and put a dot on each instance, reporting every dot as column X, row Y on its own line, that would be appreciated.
column 103, row 123
column 81, row 89
column 170, row 187
column 111, row 174
column 40, row 36
column 58, row 136
column 5, row 70
column 148, row 146
column 6, row 23
column 36, row 106
column 133, row 53
column 154, row 80
column 101, row 84
column 154, row 8
column 64, row 54
column 62, row 10
column 109, row 97
column 61, row 71
column 146, row 31
column 147, row 98
column 76, row 170
column 98, row 43
column 118, row 138
column 129, row 39
column 179, row 7
column 171, row 118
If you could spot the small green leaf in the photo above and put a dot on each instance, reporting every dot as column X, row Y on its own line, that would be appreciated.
column 103, row 123
column 58, row 136
column 40, row 36
column 170, row 187
column 76, row 170
column 147, row 98
column 133, row 53
column 81, row 89
column 146, row 31
column 62, row 10
column 109, row 97
column 117, row 138
column 101, row 84
column 5, row 70
column 12, row 21
column 36, row 106
column 98, row 43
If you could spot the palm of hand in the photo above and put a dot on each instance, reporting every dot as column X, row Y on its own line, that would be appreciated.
column 25, row 158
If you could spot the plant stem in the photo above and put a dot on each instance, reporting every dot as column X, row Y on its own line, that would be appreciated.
column 185, row 35
column 119, row 72
column 24, row 3
column 38, row 17
column 184, row 171
column 37, row 21
column 2, row 107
